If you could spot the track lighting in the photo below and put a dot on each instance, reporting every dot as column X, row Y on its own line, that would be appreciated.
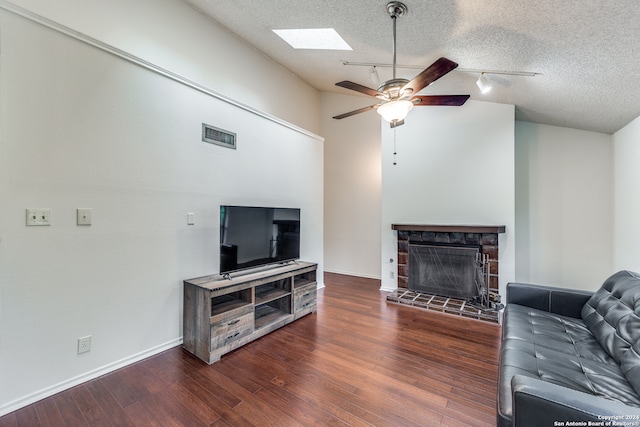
column 463, row 70
column 483, row 85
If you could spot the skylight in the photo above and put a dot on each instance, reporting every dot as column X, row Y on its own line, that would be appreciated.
column 314, row 38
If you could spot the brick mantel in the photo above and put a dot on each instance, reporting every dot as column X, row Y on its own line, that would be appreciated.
column 493, row 229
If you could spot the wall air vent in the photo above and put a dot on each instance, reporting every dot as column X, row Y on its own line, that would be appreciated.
column 214, row 135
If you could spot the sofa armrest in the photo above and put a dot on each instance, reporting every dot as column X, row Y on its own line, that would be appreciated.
column 539, row 404
column 567, row 302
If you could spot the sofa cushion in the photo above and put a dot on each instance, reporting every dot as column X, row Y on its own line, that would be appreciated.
column 542, row 329
column 560, row 350
column 612, row 314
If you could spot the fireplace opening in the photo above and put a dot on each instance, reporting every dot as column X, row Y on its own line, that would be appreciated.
column 450, row 271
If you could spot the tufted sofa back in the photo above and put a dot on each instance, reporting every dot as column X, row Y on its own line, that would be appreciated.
column 612, row 315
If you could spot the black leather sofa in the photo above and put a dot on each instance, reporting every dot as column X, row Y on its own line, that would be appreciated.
column 569, row 357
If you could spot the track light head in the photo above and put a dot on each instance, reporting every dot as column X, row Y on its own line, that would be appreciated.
column 482, row 84
column 375, row 78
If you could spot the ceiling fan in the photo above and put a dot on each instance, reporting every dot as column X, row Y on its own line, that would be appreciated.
column 396, row 95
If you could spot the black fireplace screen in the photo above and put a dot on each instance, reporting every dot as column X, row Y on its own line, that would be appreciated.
column 444, row 270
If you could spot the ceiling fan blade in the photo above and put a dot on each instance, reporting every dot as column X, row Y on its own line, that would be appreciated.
column 359, row 88
column 430, row 74
column 450, row 100
column 353, row 113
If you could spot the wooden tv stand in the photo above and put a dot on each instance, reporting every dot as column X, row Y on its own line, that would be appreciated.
column 220, row 315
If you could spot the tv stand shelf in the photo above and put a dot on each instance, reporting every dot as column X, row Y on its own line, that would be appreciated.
column 223, row 314
column 267, row 315
column 266, row 293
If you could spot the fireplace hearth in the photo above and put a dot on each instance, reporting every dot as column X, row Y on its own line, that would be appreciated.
column 442, row 304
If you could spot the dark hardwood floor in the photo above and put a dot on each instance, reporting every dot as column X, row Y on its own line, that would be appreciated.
column 358, row 361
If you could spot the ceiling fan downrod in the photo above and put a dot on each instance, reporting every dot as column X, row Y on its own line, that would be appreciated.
column 395, row 9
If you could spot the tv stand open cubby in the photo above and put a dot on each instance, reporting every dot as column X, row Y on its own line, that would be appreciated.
column 222, row 314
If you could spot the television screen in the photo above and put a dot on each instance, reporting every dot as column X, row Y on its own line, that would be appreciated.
column 253, row 236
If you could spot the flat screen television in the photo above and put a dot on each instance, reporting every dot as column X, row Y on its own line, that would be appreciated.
column 252, row 236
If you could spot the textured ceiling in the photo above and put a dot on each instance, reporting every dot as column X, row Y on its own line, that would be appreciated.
column 587, row 51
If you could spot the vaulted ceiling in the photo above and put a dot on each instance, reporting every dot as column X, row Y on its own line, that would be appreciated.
column 587, row 52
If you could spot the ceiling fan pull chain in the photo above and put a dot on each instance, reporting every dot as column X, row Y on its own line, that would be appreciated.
column 394, row 147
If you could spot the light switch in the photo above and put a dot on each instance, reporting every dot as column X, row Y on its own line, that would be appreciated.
column 39, row 216
column 83, row 216
column 191, row 219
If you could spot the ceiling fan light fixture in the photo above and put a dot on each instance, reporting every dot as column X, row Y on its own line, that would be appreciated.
column 483, row 85
column 395, row 111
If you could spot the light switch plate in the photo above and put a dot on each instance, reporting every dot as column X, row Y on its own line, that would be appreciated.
column 191, row 219
column 38, row 216
column 83, row 216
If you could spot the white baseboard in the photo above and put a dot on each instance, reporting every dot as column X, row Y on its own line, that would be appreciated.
column 87, row 376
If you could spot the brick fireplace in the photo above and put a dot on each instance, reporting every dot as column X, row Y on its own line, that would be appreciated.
column 483, row 238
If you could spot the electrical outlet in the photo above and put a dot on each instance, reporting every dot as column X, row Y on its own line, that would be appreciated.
column 84, row 344
column 392, row 275
column 83, row 216
column 38, row 216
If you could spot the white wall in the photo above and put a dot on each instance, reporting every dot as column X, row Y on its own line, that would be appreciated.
column 172, row 35
column 352, row 183
column 564, row 206
column 81, row 128
column 455, row 165
column 626, row 178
